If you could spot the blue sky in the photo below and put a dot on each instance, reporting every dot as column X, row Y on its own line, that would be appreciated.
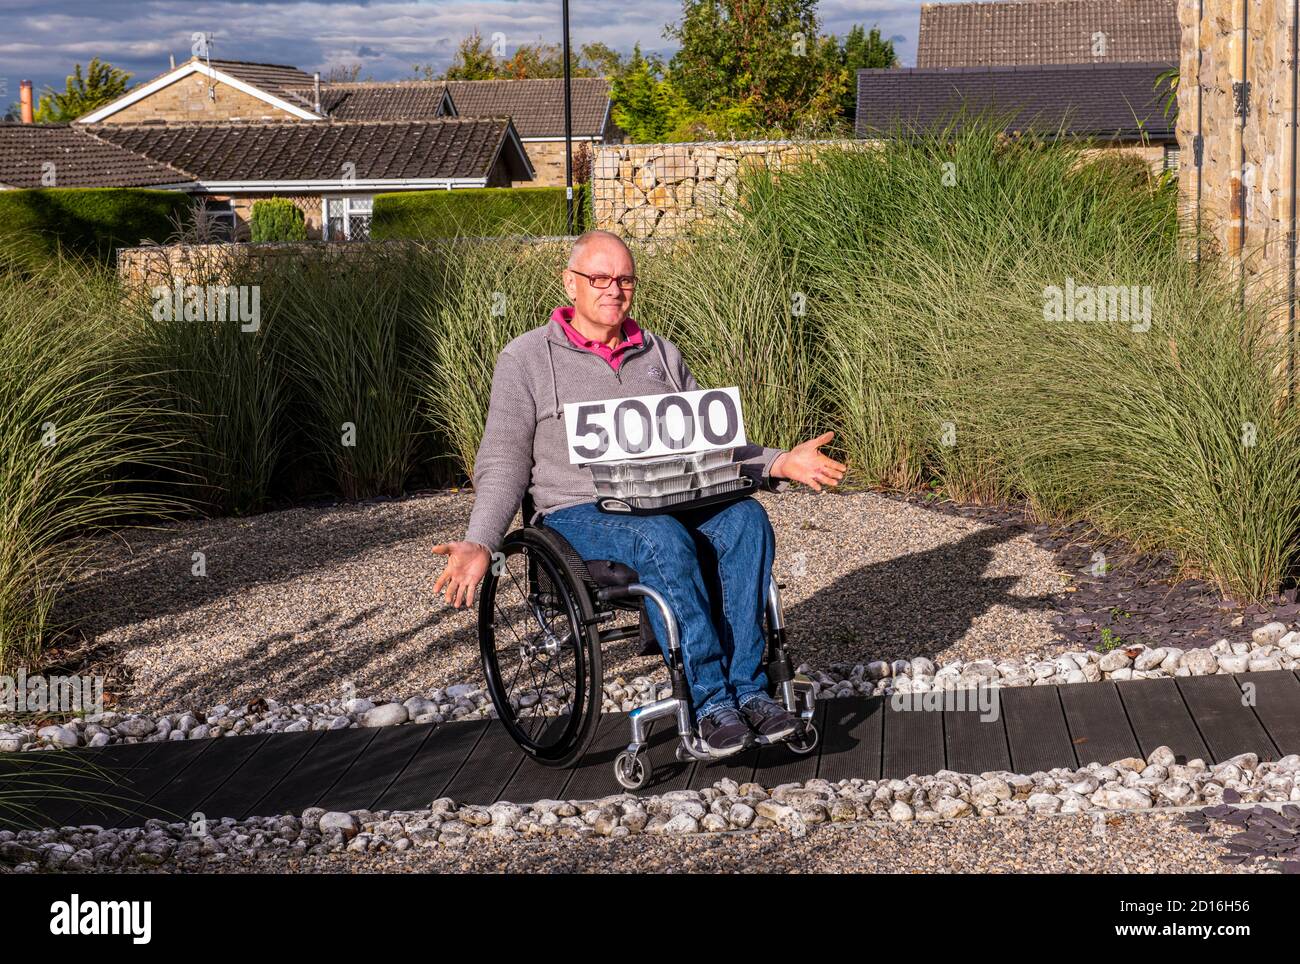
column 42, row 39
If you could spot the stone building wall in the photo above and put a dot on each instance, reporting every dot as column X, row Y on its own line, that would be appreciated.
column 187, row 99
column 1244, row 206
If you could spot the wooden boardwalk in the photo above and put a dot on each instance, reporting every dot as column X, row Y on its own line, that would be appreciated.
column 406, row 767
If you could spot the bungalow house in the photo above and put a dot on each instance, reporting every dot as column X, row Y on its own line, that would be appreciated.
column 330, row 169
column 235, row 91
column 1115, row 104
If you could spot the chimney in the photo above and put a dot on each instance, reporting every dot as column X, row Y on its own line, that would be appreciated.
column 25, row 100
column 317, row 86
column 172, row 59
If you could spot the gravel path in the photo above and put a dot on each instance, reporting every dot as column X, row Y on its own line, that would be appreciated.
column 1119, row 843
column 301, row 604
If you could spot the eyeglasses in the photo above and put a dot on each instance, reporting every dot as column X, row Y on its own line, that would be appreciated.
column 625, row 281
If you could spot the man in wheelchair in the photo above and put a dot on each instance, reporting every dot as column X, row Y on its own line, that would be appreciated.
column 712, row 563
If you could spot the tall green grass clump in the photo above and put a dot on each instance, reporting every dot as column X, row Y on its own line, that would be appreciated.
column 204, row 341
column 926, row 267
column 486, row 294
column 81, row 443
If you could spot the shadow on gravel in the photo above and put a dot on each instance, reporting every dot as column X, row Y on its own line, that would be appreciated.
column 913, row 605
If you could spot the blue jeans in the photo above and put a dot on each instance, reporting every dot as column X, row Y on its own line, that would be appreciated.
column 712, row 565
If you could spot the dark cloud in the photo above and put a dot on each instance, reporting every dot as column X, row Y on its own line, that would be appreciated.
column 43, row 40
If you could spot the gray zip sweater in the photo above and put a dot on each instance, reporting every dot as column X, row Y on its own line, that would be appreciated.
column 525, row 447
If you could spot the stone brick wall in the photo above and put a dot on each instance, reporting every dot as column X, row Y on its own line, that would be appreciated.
column 547, row 158
column 1243, row 205
column 187, row 100
column 662, row 190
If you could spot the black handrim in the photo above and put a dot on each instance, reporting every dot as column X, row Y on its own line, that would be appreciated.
column 534, row 646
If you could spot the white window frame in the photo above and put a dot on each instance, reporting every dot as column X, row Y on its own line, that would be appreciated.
column 348, row 212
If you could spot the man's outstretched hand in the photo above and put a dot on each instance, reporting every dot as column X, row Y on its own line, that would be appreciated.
column 467, row 564
column 805, row 464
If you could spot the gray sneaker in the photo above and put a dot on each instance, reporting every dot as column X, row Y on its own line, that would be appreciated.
column 725, row 732
column 770, row 720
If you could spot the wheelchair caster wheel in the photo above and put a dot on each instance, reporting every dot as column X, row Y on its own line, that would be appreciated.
column 631, row 772
column 804, row 742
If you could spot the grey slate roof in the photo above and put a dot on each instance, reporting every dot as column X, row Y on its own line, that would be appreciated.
column 1102, row 100
column 319, row 150
column 1016, row 32
column 272, row 78
column 407, row 100
column 80, row 160
column 536, row 106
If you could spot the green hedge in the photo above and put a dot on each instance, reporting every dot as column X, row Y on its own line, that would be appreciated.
column 86, row 223
column 277, row 219
column 477, row 212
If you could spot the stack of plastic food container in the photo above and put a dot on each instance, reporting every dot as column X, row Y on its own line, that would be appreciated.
column 672, row 481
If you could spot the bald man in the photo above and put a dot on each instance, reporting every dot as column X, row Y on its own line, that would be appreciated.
column 717, row 556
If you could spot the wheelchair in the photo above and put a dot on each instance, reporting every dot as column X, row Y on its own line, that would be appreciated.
column 543, row 620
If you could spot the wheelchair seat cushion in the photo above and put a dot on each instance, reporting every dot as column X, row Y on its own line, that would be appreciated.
column 608, row 574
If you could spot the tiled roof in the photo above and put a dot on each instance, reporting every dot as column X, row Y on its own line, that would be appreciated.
column 409, row 100
column 1104, row 100
column 80, row 159
column 321, row 150
column 272, row 78
column 1047, row 32
column 536, row 106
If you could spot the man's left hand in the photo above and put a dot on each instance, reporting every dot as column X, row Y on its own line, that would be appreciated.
column 805, row 464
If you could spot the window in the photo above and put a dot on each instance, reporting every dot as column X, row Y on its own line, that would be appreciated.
column 348, row 218
column 215, row 220
column 1171, row 157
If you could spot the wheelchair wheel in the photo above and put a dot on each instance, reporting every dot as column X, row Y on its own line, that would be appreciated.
column 540, row 649
column 804, row 743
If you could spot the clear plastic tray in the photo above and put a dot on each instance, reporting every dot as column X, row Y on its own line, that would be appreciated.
column 663, row 467
column 637, row 488
column 677, row 498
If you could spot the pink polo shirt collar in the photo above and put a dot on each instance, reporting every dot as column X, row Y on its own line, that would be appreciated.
column 614, row 356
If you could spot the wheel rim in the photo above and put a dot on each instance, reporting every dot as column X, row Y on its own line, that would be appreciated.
column 534, row 652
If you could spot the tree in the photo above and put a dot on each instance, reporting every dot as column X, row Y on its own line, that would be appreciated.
column 345, row 74
column 475, row 60
column 102, row 83
column 766, row 53
column 863, row 50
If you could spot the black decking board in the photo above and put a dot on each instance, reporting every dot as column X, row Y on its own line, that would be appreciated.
column 534, row 781
column 122, row 760
column 179, row 798
column 1277, row 704
column 317, row 771
column 489, row 768
column 433, row 767
column 973, row 744
column 594, row 776
column 1227, row 726
column 912, row 741
column 850, row 738
column 1036, row 730
column 152, row 774
column 272, row 762
column 372, row 772
column 1098, row 724
column 476, row 762
column 778, row 764
column 104, row 779
column 1159, row 717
